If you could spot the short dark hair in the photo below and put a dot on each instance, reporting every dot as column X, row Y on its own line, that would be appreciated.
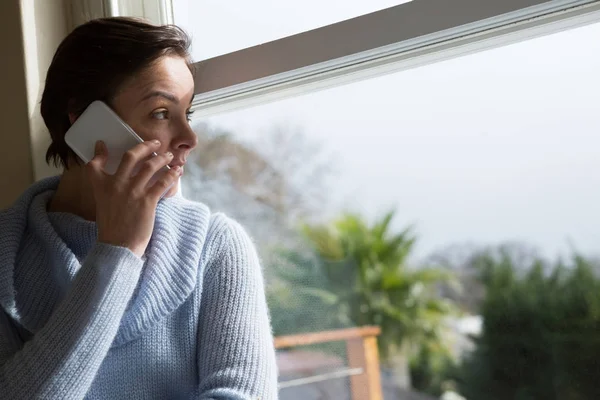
column 93, row 61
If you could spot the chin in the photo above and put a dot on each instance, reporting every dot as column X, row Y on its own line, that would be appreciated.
column 173, row 191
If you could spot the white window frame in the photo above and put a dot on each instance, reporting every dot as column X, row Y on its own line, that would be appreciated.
column 397, row 38
column 155, row 11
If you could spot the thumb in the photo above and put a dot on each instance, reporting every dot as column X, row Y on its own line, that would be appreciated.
column 100, row 157
column 100, row 152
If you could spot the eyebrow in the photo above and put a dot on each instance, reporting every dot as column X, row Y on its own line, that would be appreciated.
column 166, row 95
column 160, row 93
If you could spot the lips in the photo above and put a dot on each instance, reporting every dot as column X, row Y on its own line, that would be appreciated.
column 178, row 163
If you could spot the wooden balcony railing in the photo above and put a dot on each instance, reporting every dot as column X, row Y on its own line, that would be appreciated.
column 363, row 358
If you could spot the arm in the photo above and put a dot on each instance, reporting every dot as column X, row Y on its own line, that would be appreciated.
column 236, row 356
column 62, row 359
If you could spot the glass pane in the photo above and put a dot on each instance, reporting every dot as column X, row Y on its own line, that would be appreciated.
column 220, row 27
column 491, row 159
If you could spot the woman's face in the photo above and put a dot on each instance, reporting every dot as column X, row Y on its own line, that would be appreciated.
column 156, row 104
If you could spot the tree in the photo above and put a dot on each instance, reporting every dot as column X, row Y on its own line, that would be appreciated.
column 540, row 338
column 265, row 184
column 433, row 370
column 464, row 262
column 357, row 274
column 306, row 167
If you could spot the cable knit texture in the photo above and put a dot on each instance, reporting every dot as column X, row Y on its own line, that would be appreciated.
column 84, row 320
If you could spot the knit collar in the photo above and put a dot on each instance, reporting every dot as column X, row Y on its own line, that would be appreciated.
column 170, row 270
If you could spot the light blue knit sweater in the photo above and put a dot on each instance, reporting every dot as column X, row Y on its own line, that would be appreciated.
column 80, row 319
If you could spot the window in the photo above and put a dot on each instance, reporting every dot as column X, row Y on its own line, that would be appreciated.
column 378, row 38
column 498, row 148
column 506, row 138
column 261, row 21
column 396, row 38
column 474, row 121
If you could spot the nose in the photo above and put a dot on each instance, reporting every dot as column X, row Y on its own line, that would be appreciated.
column 186, row 140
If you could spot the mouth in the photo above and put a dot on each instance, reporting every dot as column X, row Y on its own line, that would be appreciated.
column 179, row 161
column 177, row 164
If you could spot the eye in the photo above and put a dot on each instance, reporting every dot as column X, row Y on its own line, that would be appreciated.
column 188, row 115
column 161, row 114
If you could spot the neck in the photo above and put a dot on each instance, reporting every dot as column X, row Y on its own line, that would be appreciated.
column 74, row 194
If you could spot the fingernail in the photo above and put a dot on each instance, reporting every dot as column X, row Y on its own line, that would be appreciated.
column 99, row 147
column 169, row 154
column 156, row 142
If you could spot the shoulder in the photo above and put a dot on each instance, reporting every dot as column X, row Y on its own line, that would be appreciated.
column 219, row 227
column 226, row 234
column 225, row 241
column 229, row 247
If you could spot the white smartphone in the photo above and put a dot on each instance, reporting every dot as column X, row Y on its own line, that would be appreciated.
column 100, row 122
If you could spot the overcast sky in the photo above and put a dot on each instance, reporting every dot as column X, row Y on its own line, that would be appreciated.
column 496, row 146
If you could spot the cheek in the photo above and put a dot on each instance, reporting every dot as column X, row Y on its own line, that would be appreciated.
column 153, row 131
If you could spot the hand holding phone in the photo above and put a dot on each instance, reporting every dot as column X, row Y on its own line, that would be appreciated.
column 126, row 189
column 100, row 123
column 125, row 203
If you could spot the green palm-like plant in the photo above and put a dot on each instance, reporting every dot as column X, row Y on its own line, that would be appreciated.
column 357, row 274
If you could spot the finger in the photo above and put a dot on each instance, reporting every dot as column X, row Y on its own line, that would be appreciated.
column 134, row 156
column 96, row 164
column 150, row 167
column 163, row 183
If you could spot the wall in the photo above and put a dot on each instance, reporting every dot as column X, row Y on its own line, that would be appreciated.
column 30, row 31
column 44, row 28
column 15, row 158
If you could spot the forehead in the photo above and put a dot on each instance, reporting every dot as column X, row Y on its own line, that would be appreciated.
column 170, row 74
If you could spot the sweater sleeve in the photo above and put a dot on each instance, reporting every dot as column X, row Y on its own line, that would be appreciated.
column 236, row 356
column 62, row 359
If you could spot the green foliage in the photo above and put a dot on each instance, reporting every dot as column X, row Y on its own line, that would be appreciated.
column 356, row 274
column 432, row 370
column 541, row 336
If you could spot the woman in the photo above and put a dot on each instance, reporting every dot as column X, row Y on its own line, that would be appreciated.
column 106, row 291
